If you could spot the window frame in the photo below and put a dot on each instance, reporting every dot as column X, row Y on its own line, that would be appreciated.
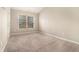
column 32, row 21
column 19, row 21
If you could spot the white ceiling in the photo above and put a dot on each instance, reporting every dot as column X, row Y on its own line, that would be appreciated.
column 29, row 9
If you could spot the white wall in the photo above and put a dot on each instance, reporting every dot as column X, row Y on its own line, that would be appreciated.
column 63, row 22
column 4, row 27
column 0, row 29
column 15, row 22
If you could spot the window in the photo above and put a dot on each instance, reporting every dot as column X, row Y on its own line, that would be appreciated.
column 22, row 21
column 25, row 22
column 30, row 22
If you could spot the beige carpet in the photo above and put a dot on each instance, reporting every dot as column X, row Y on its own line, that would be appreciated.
column 37, row 42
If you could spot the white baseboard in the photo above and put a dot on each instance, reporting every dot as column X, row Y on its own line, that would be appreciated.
column 60, row 38
column 19, row 33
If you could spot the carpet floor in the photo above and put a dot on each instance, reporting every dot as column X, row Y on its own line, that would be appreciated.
column 38, row 42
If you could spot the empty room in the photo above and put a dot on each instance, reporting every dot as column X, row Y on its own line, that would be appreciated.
column 39, row 29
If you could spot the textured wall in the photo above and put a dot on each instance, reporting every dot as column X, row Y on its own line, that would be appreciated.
column 60, row 21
